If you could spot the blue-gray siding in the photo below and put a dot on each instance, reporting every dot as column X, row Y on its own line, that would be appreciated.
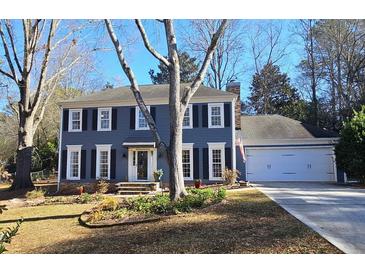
column 200, row 136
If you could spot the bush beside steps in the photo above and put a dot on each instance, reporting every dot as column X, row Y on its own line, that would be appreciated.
column 110, row 211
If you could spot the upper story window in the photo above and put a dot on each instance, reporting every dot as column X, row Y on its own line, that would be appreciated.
column 141, row 122
column 104, row 119
column 216, row 115
column 75, row 120
column 188, row 117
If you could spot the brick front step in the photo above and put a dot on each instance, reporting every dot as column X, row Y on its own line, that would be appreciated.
column 136, row 188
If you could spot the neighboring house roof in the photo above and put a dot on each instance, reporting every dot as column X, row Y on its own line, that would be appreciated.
column 280, row 127
column 151, row 94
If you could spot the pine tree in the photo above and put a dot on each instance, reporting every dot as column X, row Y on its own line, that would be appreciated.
column 188, row 70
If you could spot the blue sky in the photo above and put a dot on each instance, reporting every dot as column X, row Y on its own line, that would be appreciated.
column 142, row 61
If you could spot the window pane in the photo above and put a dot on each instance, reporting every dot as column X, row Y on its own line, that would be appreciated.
column 75, row 115
column 141, row 120
column 104, row 114
column 74, row 159
column 186, row 120
column 75, row 125
column 217, row 162
column 104, row 164
column 216, row 116
column 186, row 163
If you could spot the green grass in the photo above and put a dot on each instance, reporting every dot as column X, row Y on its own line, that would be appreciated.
column 247, row 222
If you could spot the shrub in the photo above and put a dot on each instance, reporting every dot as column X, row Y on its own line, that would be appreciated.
column 35, row 194
column 85, row 198
column 7, row 234
column 350, row 151
column 95, row 216
column 230, row 176
column 109, row 203
column 102, row 186
column 220, row 195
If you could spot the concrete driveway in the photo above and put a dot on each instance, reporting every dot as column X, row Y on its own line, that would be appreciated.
column 336, row 212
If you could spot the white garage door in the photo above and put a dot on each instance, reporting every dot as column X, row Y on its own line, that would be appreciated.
column 290, row 164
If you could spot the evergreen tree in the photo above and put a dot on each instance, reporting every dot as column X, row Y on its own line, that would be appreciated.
column 188, row 70
column 272, row 93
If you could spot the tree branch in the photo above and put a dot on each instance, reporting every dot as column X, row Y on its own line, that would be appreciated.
column 11, row 38
column 7, row 54
column 190, row 91
column 148, row 45
column 43, row 73
column 134, row 85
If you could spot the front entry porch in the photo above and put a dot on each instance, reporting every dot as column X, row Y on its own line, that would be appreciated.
column 142, row 162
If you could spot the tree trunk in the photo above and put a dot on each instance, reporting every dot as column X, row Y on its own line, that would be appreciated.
column 24, row 152
column 174, row 157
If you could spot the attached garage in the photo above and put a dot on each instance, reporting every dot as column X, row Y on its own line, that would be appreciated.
column 291, row 164
column 277, row 148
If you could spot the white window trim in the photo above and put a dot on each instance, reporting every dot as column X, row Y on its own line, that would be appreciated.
column 190, row 107
column 98, row 149
column 221, row 105
column 70, row 120
column 73, row 148
column 137, row 120
column 215, row 146
column 99, row 119
column 189, row 146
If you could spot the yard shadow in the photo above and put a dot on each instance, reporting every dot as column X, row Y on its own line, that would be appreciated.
column 34, row 219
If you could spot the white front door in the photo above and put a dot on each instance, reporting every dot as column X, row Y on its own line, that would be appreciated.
column 141, row 164
column 291, row 164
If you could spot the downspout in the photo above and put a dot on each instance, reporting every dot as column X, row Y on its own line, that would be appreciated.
column 59, row 149
column 233, row 123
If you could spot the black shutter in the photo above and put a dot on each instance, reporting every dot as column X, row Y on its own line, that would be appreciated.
column 227, row 115
column 196, row 163
column 132, row 118
column 114, row 118
column 65, row 120
column 83, row 164
column 228, row 157
column 195, row 116
column 95, row 119
column 153, row 113
column 63, row 164
column 205, row 164
column 112, row 163
column 93, row 164
column 205, row 115
column 84, row 119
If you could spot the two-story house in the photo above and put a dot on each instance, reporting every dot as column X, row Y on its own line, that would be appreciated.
column 105, row 135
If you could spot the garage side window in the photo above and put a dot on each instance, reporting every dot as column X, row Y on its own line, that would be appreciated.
column 216, row 160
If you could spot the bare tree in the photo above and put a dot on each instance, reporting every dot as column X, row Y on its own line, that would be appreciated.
column 35, row 73
column 266, row 44
column 177, row 102
column 225, row 65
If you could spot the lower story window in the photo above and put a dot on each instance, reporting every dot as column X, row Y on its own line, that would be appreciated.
column 216, row 160
column 73, row 167
column 103, row 161
column 187, row 161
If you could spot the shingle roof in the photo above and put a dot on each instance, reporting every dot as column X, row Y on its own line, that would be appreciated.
column 280, row 127
column 148, row 92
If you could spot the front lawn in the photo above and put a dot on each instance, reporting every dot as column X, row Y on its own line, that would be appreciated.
column 247, row 222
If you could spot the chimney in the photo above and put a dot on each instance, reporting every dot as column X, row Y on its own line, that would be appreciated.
column 235, row 87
